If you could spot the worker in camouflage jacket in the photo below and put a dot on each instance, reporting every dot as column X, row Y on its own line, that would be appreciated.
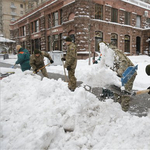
column 37, row 61
column 71, row 62
column 121, row 63
column 23, row 58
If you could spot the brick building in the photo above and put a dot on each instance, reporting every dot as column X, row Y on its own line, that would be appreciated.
column 125, row 23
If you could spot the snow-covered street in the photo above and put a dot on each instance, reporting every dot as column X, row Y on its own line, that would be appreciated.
column 44, row 114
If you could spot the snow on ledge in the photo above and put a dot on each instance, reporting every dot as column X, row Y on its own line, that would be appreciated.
column 138, row 3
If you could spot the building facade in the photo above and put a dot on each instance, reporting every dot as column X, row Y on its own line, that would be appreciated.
column 10, row 10
column 123, row 23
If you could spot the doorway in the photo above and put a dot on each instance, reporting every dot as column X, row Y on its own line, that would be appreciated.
column 138, row 45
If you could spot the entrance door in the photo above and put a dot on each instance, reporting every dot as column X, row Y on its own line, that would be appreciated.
column 127, row 43
column 138, row 45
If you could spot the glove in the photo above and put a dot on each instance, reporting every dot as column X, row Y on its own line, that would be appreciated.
column 13, row 66
column 69, row 68
column 35, row 71
column 149, row 91
column 63, row 59
column 51, row 61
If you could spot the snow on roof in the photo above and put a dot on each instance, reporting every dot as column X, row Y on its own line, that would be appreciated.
column 5, row 40
column 138, row 3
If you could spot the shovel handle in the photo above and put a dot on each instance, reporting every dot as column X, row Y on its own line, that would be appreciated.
column 43, row 67
column 142, row 92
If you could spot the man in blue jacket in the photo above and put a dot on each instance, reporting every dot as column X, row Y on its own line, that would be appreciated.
column 23, row 58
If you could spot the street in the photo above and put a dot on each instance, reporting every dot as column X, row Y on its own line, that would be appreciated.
column 139, row 104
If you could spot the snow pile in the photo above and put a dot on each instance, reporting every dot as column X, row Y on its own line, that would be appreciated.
column 142, row 80
column 99, row 75
column 44, row 114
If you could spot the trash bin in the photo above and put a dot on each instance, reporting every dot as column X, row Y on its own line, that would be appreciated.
column 56, row 56
column 6, row 56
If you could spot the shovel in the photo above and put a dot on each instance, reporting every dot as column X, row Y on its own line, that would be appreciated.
column 66, row 80
column 129, row 72
column 42, row 68
column 140, row 92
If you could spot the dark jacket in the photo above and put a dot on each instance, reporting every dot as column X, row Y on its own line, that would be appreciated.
column 23, row 59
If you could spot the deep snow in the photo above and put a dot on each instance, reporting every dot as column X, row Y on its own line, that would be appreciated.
column 36, row 113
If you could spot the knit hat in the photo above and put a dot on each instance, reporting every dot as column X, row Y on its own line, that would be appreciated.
column 68, row 39
column 36, row 51
column 18, row 47
column 147, row 70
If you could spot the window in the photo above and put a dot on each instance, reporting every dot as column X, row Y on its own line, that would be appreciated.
column 56, row 42
column 127, row 18
column 61, row 42
column 49, row 21
column 138, row 21
column 98, row 39
column 55, row 19
column 114, row 15
column 61, row 17
column 114, row 40
column 98, row 11
column 148, row 22
column 37, row 26
column 21, row 12
column 24, row 30
column 32, row 27
column 71, row 16
column 49, row 43
column 127, row 43
column 21, row 5
column 36, row 44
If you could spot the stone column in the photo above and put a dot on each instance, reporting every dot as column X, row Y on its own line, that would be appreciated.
column 43, row 33
column 83, row 24
column 28, row 37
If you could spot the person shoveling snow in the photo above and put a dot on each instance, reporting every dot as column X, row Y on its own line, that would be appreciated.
column 118, row 62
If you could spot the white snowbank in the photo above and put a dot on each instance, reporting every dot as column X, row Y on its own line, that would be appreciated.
column 34, row 114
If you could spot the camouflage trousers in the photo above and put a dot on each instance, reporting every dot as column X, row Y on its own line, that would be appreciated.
column 124, row 101
column 44, row 72
column 129, row 84
column 72, row 80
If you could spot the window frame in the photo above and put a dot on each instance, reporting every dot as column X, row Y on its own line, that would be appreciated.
column 127, row 20
column 99, row 11
column 114, row 15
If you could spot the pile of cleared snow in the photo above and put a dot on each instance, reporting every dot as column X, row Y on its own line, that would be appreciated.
column 34, row 114
column 99, row 75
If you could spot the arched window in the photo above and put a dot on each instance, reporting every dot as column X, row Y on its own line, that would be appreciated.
column 71, row 16
column 114, row 40
column 127, row 43
column 98, row 39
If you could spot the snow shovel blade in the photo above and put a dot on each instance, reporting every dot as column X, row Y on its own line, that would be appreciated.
column 5, row 75
column 129, row 72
